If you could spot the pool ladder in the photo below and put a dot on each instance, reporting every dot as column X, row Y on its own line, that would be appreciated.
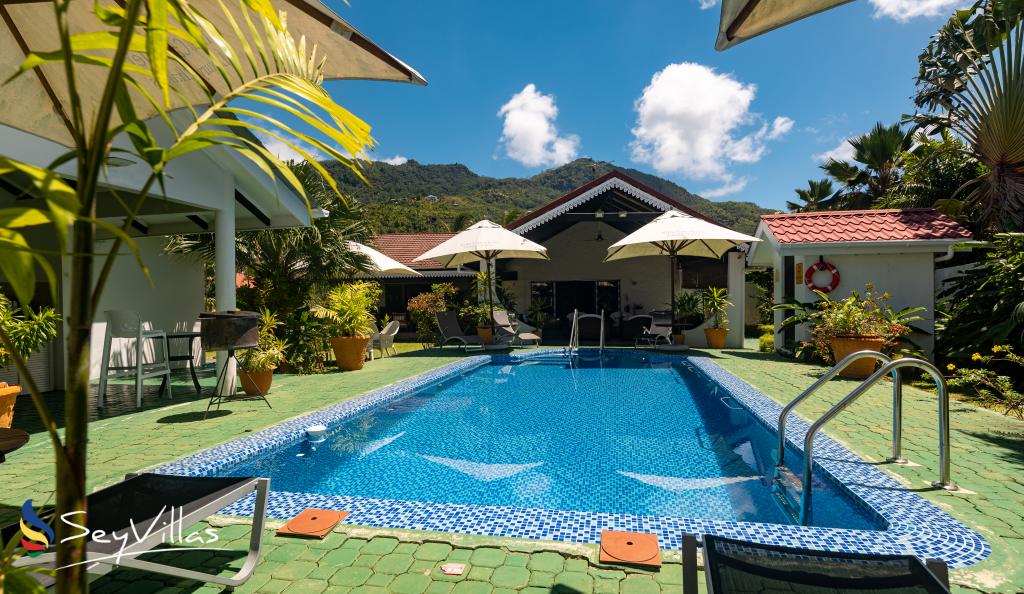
column 574, row 333
column 889, row 367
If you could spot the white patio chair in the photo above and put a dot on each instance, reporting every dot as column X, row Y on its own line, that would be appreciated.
column 659, row 330
column 374, row 339
column 127, row 325
column 386, row 339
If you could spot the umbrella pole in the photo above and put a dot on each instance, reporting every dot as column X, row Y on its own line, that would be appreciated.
column 672, row 293
column 490, row 292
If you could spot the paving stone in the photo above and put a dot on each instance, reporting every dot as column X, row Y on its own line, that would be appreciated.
column 294, row 570
column 517, row 559
column 480, row 574
column 306, row 586
column 410, row 583
column 433, row 551
column 394, row 564
column 487, row 557
column 508, row 576
column 407, row 548
column 351, row 576
column 439, row 587
column 542, row 579
column 546, row 562
column 364, row 560
column 354, row 543
column 380, row 546
column 275, row 586
column 576, row 565
column 573, row 581
column 472, row 587
column 638, row 584
column 343, row 556
column 380, row 579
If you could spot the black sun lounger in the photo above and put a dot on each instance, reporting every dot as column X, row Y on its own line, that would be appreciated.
column 162, row 508
column 732, row 566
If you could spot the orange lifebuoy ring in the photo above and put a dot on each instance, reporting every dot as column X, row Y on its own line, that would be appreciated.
column 809, row 277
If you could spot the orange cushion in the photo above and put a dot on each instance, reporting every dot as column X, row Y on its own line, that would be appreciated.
column 313, row 522
column 631, row 548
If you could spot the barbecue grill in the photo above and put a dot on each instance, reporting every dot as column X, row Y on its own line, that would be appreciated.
column 229, row 331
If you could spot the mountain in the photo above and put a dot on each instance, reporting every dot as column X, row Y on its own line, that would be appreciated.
column 396, row 198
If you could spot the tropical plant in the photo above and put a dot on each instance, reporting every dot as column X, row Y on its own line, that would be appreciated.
column 715, row 304
column 859, row 315
column 458, row 222
column 27, row 329
column 688, row 308
column 270, row 350
column 766, row 341
column 764, row 285
column 933, row 173
column 286, row 268
column 990, row 387
column 20, row 579
column 258, row 62
column 983, row 306
column 874, row 170
column 423, row 307
column 539, row 313
column 349, row 308
column 307, row 354
column 971, row 81
column 813, row 197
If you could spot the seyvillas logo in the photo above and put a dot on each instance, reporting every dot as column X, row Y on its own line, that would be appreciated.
column 37, row 535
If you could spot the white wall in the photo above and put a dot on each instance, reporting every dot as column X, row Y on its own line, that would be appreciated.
column 908, row 277
column 171, row 302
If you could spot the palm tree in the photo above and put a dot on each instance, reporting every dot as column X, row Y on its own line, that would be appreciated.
column 260, row 62
column 877, row 159
column 978, row 94
column 812, row 197
column 458, row 222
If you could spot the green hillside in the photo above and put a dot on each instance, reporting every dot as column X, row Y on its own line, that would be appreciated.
column 395, row 199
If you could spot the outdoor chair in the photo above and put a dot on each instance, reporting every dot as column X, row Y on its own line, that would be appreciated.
column 740, row 566
column 160, row 501
column 385, row 340
column 508, row 329
column 451, row 332
column 659, row 330
column 128, row 325
column 374, row 339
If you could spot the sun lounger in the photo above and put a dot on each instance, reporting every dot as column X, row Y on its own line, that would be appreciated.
column 451, row 332
column 739, row 566
column 660, row 330
column 513, row 331
column 158, row 500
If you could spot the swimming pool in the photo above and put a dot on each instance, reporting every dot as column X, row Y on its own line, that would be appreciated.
column 545, row 446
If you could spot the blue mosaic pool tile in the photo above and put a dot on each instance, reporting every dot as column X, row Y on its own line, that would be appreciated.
column 915, row 526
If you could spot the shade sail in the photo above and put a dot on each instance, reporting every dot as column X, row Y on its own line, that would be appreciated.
column 36, row 102
column 382, row 264
column 483, row 241
column 677, row 234
column 744, row 19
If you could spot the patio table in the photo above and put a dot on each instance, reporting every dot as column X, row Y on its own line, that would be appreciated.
column 10, row 440
column 187, row 355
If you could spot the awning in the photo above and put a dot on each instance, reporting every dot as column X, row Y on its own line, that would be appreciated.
column 745, row 19
column 29, row 25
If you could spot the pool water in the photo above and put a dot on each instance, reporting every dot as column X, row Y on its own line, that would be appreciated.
column 613, row 432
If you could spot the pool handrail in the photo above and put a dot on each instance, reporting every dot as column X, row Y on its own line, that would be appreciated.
column 944, row 481
column 897, row 404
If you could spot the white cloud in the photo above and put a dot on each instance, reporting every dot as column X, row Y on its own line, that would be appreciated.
column 529, row 134
column 396, row 160
column 904, row 10
column 283, row 151
column 689, row 121
column 731, row 186
column 706, row 4
column 842, row 152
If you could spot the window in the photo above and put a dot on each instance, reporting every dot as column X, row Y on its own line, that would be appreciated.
column 701, row 273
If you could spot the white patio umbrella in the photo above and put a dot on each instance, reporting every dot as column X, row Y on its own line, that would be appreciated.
column 677, row 234
column 485, row 241
column 29, row 25
column 382, row 263
column 744, row 19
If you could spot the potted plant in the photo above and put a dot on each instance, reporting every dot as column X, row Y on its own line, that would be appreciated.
column 715, row 303
column 260, row 362
column 688, row 313
column 860, row 322
column 477, row 315
column 27, row 331
column 349, row 310
column 539, row 315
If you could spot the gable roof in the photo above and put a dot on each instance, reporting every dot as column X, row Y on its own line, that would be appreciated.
column 404, row 247
column 845, row 226
column 612, row 179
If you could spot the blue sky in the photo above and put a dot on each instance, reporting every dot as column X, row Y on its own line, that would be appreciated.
column 744, row 124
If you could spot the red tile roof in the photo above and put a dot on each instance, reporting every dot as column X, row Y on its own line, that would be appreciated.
column 404, row 247
column 863, row 225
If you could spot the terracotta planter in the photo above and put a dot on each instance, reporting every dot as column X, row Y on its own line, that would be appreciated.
column 679, row 339
column 349, row 351
column 8, row 394
column 846, row 345
column 486, row 333
column 257, row 382
column 716, row 337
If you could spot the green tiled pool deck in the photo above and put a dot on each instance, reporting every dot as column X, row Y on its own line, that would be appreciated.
column 987, row 458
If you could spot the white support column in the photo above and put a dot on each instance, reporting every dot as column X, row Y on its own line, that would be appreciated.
column 737, row 296
column 224, row 275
